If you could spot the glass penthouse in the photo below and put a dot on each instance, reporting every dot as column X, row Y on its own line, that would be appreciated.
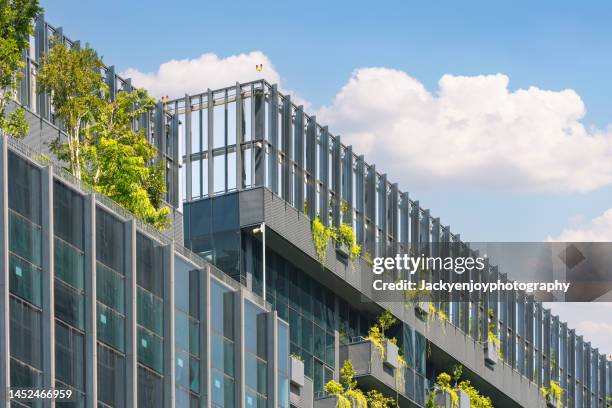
column 94, row 300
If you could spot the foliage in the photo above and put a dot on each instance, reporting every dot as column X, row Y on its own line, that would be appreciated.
column 347, row 393
column 119, row 159
column 16, row 26
column 554, row 391
column 346, row 236
column 296, row 357
column 102, row 147
column 73, row 78
column 476, row 399
column 376, row 333
column 343, row 235
column 443, row 383
column 321, row 235
column 377, row 400
column 492, row 336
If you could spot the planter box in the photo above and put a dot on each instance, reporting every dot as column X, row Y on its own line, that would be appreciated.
column 297, row 372
column 391, row 357
column 444, row 400
column 464, row 399
column 491, row 353
column 422, row 308
column 342, row 250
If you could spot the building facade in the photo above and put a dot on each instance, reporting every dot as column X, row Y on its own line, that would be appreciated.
column 95, row 301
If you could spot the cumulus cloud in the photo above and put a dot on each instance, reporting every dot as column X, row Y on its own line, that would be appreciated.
column 175, row 78
column 599, row 229
column 473, row 132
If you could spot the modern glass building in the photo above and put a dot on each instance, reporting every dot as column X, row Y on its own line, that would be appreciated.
column 95, row 301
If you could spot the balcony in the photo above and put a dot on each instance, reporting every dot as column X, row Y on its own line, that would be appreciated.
column 375, row 370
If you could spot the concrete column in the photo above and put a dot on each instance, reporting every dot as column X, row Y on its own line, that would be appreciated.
column 272, row 346
column 91, row 349
column 239, row 347
column 131, row 349
column 48, row 278
column 169, row 343
column 205, row 357
column 4, row 277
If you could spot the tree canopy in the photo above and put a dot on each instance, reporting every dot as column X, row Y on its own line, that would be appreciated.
column 16, row 26
column 103, row 147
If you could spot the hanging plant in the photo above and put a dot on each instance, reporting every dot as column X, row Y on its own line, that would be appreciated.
column 321, row 235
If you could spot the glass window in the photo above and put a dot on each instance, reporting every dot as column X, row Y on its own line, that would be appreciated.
column 231, row 123
column 111, row 377
column 195, row 132
column 219, row 173
column 111, row 327
column 68, row 214
column 23, row 376
column 68, row 264
column 25, row 238
column 222, row 389
column 110, row 287
column 69, row 305
column 25, row 333
column 187, row 333
column 187, row 371
column 246, row 118
column 149, row 265
column 219, row 126
column 195, row 179
column 222, row 310
column 150, row 388
column 109, row 240
column 150, row 311
column 69, row 356
column 222, row 354
column 24, row 190
column 25, row 280
column 255, row 323
column 256, row 373
column 186, row 287
column 150, row 350
column 283, row 365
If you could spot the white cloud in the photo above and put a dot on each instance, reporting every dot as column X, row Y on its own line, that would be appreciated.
column 175, row 78
column 473, row 132
column 599, row 229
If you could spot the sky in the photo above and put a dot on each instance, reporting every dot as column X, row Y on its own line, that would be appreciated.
column 496, row 117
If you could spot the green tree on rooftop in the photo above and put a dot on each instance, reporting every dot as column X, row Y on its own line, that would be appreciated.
column 102, row 147
column 16, row 26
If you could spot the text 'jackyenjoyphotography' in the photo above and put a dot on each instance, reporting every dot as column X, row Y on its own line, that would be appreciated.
column 471, row 286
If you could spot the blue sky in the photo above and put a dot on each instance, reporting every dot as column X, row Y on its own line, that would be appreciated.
column 551, row 45
column 316, row 46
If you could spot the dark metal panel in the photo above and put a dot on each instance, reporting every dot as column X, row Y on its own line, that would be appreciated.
column 336, row 182
column 311, row 166
column 259, row 124
column 370, row 210
column 415, row 227
column 299, row 158
column 324, row 176
column 348, row 181
column 360, row 200
column 273, row 139
column 287, row 148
